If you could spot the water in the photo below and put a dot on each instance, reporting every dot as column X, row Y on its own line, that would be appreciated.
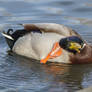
column 19, row 74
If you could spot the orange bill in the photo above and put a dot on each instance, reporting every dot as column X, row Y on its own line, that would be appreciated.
column 55, row 52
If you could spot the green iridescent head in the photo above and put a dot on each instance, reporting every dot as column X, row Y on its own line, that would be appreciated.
column 73, row 44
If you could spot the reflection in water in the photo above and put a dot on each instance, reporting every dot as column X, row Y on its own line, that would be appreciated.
column 67, row 76
column 21, row 73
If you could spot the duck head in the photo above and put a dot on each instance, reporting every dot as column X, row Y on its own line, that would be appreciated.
column 72, row 44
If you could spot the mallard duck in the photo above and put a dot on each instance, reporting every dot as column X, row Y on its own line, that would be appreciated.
column 49, row 42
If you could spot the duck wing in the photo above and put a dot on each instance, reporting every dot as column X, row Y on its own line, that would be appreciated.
column 51, row 27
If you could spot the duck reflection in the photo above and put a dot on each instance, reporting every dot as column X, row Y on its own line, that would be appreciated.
column 55, row 76
column 67, row 76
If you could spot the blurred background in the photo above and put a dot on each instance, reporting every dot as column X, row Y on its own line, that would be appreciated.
column 19, row 74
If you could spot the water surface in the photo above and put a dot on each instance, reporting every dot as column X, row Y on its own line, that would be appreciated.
column 19, row 74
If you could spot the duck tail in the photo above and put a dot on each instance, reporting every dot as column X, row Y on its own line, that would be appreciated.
column 9, row 38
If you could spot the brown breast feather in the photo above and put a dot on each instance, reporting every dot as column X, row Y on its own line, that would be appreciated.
column 85, row 56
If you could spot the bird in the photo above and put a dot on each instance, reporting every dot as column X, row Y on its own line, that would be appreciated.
column 49, row 42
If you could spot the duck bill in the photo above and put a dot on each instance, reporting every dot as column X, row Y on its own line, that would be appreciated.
column 75, row 46
column 55, row 52
column 78, row 50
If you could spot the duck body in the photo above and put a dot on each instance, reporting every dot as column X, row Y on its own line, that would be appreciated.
column 36, row 41
column 37, row 46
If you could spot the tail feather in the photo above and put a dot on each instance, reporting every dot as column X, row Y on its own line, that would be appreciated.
column 7, row 36
column 9, row 39
column 12, row 36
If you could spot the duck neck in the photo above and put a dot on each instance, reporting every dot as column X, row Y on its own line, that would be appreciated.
column 85, row 56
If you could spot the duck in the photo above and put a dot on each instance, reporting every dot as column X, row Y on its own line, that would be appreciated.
column 49, row 42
